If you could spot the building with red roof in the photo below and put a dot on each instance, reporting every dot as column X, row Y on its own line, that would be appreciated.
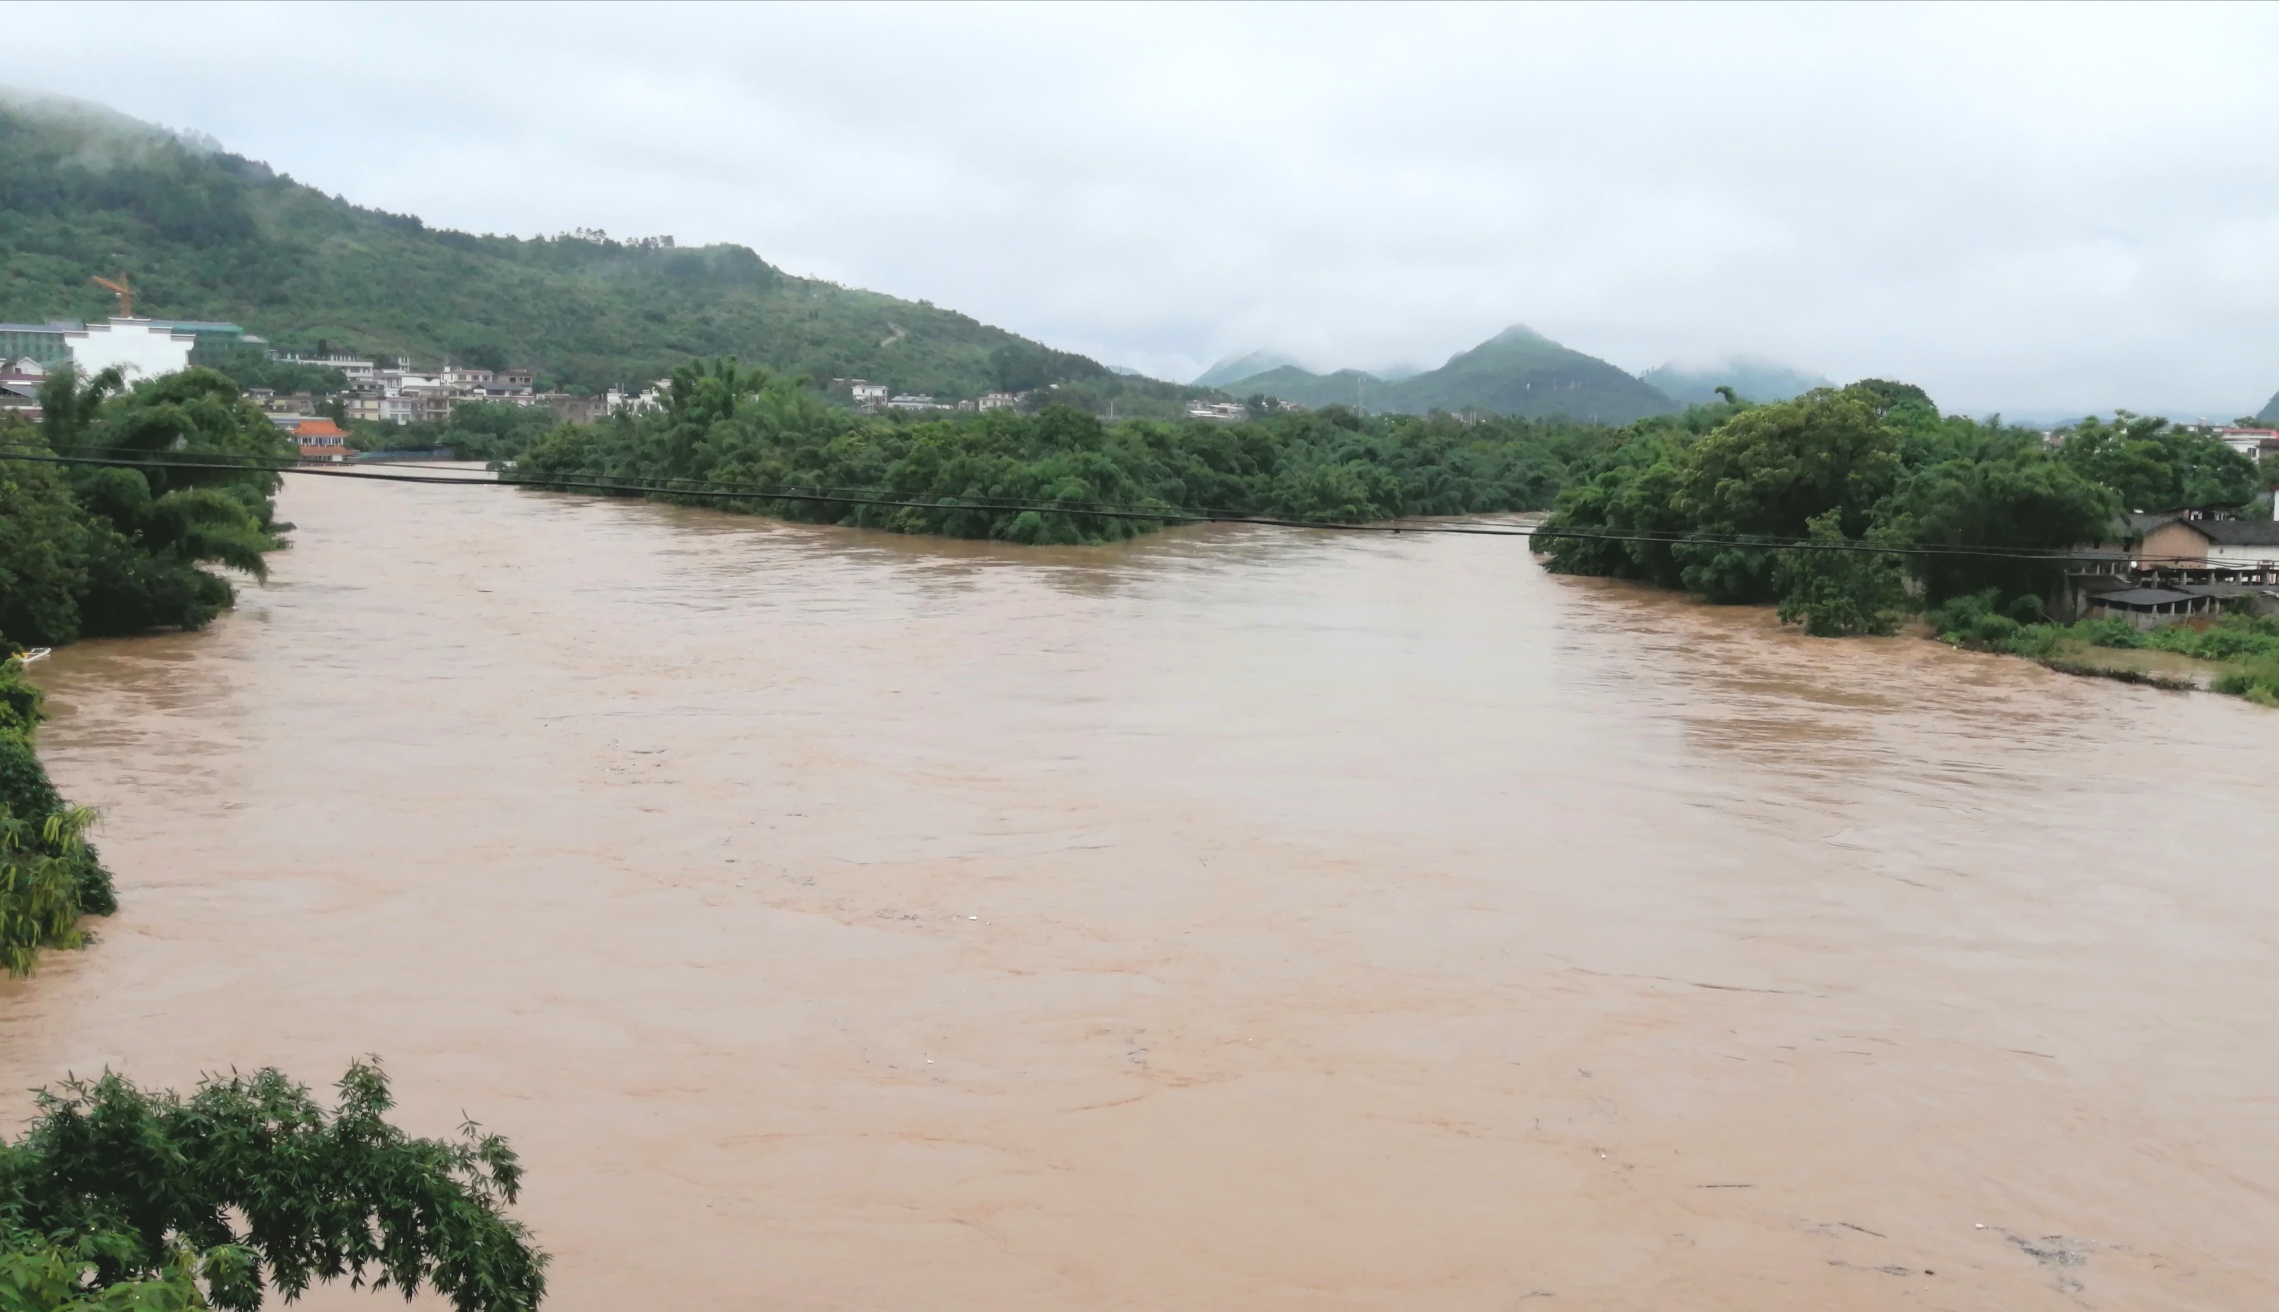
column 322, row 441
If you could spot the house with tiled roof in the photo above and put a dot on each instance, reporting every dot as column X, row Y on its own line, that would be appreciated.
column 2214, row 542
column 322, row 441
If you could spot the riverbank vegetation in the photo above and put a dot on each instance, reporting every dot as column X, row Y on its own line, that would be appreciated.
column 89, row 551
column 49, row 876
column 118, row 1198
column 724, row 427
column 1901, row 506
column 1852, row 509
column 476, row 430
column 2241, row 652
column 1873, row 465
column 95, row 550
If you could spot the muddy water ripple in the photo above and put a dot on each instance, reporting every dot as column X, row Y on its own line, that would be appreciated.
column 1232, row 920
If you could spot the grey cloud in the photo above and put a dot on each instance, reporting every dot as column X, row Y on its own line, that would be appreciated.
column 2019, row 208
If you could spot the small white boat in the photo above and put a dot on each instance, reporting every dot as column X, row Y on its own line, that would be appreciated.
column 35, row 654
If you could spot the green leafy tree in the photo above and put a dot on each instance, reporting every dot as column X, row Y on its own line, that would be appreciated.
column 2155, row 467
column 1874, row 462
column 125, row 556
column 1623, row 522
column 250, row 367
column 117, row 1197
column 1835, row 591
column 477, row 430
column 2013, row 507
column 70, row 404
column 43, row 550
column 1770, row 470
column 41, row 869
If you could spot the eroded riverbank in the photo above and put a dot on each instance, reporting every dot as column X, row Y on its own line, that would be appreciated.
column 1235, row 919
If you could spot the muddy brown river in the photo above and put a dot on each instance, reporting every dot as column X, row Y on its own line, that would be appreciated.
column 1238, row 919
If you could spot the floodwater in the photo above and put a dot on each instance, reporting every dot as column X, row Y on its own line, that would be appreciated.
column 1235, row 920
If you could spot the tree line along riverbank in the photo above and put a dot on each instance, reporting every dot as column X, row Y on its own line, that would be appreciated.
column 1854, row 509
column 1031, row 478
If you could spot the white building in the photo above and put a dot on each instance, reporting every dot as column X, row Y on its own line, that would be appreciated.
column 648, row 402
column 20, row 385
column 355, row 370
column 142, row 349
column 999, row 400
column 1222, row 412
column 380, row 408
column 2250, row 442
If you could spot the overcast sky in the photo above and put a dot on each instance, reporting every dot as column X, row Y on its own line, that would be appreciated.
column 2032, row 208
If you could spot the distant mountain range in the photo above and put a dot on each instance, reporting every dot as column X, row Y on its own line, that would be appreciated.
column 1516, row 372
column 1235, row 368
column 1752, row 378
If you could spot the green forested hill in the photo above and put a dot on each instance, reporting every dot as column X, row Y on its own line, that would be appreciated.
column 1235, row 368
column 1517, row 372
column 1291, row 383
column 204, row 234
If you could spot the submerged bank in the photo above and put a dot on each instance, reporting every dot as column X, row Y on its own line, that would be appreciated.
column 2235, row 654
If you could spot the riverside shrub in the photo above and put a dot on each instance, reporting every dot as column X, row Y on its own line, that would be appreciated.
column 122, row 1198
column 49, row 876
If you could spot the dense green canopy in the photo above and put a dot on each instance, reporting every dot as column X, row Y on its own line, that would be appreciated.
column 2153, row 466
column 88, row 551
column 1873, row 464
column 723, row 426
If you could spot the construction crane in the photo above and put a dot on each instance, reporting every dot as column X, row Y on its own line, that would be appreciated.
column 126, row 298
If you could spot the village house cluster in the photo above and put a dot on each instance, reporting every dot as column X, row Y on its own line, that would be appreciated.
column 2159, row 567
column 376, row 392
column 399, row 393
column 873, row 398
column 379, row 393
column 2172, row 566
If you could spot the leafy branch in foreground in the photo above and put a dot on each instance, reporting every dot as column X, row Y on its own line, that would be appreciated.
column 121, row 1198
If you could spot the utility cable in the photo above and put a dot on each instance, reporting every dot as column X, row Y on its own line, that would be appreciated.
column 734, row 492
column 716, row 489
